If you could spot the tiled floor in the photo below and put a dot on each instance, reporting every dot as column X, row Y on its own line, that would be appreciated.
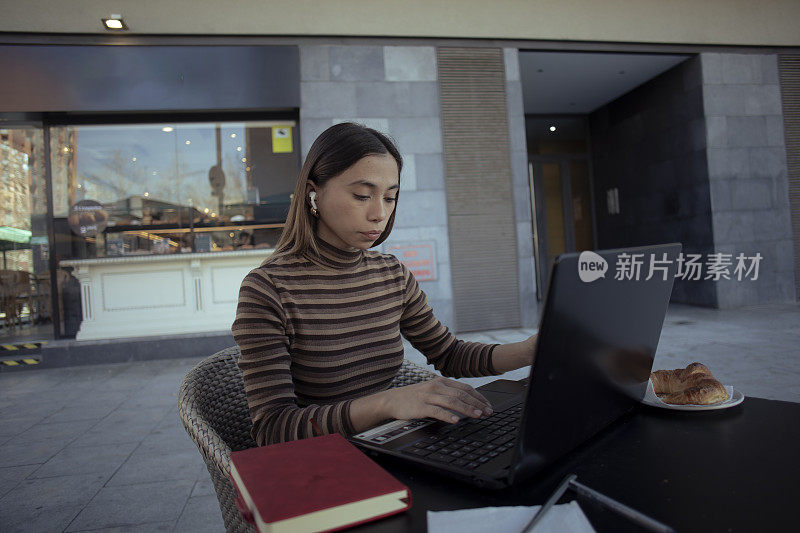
column 101, row 447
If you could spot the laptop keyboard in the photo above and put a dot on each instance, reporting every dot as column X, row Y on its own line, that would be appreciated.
column 471, row 442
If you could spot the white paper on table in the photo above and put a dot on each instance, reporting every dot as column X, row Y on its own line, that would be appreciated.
column 560, row 518
column 651, row 395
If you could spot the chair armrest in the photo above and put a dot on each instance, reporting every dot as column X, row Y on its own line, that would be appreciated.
column 212, row 447
column 411, row 373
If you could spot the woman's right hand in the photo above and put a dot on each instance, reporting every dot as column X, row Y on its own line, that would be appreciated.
column 436, row 398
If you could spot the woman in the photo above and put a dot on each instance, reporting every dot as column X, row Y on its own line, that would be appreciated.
column 319, row 323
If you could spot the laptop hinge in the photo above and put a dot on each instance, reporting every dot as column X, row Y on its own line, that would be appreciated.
column 525, row 467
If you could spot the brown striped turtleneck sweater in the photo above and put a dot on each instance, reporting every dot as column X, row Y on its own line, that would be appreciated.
column 316, row 332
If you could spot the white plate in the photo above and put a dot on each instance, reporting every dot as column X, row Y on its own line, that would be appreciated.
column 735, row 399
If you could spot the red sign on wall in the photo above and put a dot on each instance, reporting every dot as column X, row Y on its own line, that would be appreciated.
column 418, row 258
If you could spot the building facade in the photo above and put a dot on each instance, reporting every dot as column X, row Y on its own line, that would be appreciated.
column 526, row 132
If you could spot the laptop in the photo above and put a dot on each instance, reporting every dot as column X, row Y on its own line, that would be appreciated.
column 598, row 335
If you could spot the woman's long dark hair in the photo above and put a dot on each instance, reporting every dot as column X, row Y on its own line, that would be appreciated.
column 334, row 151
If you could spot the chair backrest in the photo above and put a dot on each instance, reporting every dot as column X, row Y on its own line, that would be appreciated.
column 216, row 390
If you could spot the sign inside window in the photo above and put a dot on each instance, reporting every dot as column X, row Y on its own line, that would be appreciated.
column 420, row 259
column 87, row 218
column 282, row 139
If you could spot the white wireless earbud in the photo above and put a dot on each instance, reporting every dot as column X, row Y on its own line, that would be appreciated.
column 313, row 197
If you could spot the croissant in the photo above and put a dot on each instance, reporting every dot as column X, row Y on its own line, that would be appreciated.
column 668, row 381
column 691, row 385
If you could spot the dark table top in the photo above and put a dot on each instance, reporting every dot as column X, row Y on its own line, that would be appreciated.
column 732, row 469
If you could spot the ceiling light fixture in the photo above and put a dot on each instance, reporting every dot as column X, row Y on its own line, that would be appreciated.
column 115, row 23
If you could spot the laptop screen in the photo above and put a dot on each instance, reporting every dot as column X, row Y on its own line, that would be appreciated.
column 597, row 340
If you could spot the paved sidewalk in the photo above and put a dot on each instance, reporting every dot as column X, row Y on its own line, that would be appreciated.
column 101, row 447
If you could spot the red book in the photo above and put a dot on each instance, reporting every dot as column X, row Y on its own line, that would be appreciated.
column 315, row 484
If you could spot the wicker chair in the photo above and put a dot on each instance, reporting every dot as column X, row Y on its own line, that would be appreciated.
column 214, row 411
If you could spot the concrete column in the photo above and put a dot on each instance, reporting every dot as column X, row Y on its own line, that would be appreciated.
column 748, row 174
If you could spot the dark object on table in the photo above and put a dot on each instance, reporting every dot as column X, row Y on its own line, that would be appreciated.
column 696, row 471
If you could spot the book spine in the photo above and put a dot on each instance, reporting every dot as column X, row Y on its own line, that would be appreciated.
column 246, row 512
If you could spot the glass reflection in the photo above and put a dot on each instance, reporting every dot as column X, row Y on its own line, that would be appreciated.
column 24, row 275
column 172, row 188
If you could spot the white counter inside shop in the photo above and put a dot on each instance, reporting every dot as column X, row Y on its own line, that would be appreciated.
column 138, row 296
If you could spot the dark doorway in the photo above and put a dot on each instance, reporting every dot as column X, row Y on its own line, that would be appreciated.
column 560, row 174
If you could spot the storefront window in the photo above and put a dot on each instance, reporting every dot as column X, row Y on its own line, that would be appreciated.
column 171, row 188
column 24, row 274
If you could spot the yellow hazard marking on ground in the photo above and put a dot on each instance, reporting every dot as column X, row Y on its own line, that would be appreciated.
column 22, row 346
column 18, row 362
column 17, row 358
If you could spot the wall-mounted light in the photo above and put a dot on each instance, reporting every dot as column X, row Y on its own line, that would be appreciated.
column 552, row 128
column 115, row 23
column 167, row 129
